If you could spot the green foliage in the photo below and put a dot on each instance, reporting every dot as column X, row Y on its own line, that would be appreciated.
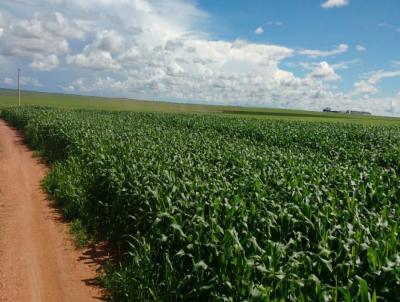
column 79, row 233
column 229, row 209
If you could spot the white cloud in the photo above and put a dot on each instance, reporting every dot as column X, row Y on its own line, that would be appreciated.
column 44, row 63
column 389, row 106
column 44, row 35
column 365, row 87
column 57, row 25
column 109, row 40
column 8, row 81
column 99, row 53
column 94, row 59
column 24, row 81
column 324, row 71
column 360, row 48
column 259, row 30
column 175, row 70
column 382, row 74
column 335, row 3
column 341, row 48
column 369, row 86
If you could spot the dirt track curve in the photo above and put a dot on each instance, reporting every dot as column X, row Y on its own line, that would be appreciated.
column 38, row 261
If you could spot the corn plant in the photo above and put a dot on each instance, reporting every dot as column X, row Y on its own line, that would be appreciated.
column 207, row 208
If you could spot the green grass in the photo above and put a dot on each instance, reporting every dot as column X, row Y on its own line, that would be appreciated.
column 79, row 233
column 67, row 101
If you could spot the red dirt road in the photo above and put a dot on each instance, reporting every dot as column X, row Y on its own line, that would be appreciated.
column 38, row 261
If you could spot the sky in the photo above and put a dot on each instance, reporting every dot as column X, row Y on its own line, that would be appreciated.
column 299, row 54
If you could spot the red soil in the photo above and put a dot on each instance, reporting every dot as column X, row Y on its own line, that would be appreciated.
column 38, row 260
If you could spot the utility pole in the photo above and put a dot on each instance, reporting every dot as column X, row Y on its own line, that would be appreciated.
column 19, row 88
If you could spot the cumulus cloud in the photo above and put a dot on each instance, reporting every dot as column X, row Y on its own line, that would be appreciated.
column 94, row 59
column 44, row 63
column 99, row 54
column 311, row 53
column 108, row 40
column 259, row 30
column 56, row 25
column 324, row 71
column 175, row 70
column 335, row 3
column 40, row 39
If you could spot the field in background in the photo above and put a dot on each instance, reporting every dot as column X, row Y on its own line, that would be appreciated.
column 68, row 101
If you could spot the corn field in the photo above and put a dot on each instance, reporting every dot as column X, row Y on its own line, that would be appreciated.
column 211, row 208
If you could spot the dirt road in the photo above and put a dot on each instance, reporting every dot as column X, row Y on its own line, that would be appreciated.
column 38, row 261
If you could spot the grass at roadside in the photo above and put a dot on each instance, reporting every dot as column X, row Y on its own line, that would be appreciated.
column 79, row 232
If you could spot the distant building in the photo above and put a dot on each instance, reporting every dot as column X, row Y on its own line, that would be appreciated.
column 351, row 112
column 354, row 112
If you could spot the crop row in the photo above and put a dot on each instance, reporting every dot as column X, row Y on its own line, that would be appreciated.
column 207, row 208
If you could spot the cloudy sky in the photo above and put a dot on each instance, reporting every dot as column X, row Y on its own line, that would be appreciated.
column 305, row 54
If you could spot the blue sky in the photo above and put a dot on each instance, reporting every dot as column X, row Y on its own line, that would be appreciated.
column 305, row 54
column 298, row 24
